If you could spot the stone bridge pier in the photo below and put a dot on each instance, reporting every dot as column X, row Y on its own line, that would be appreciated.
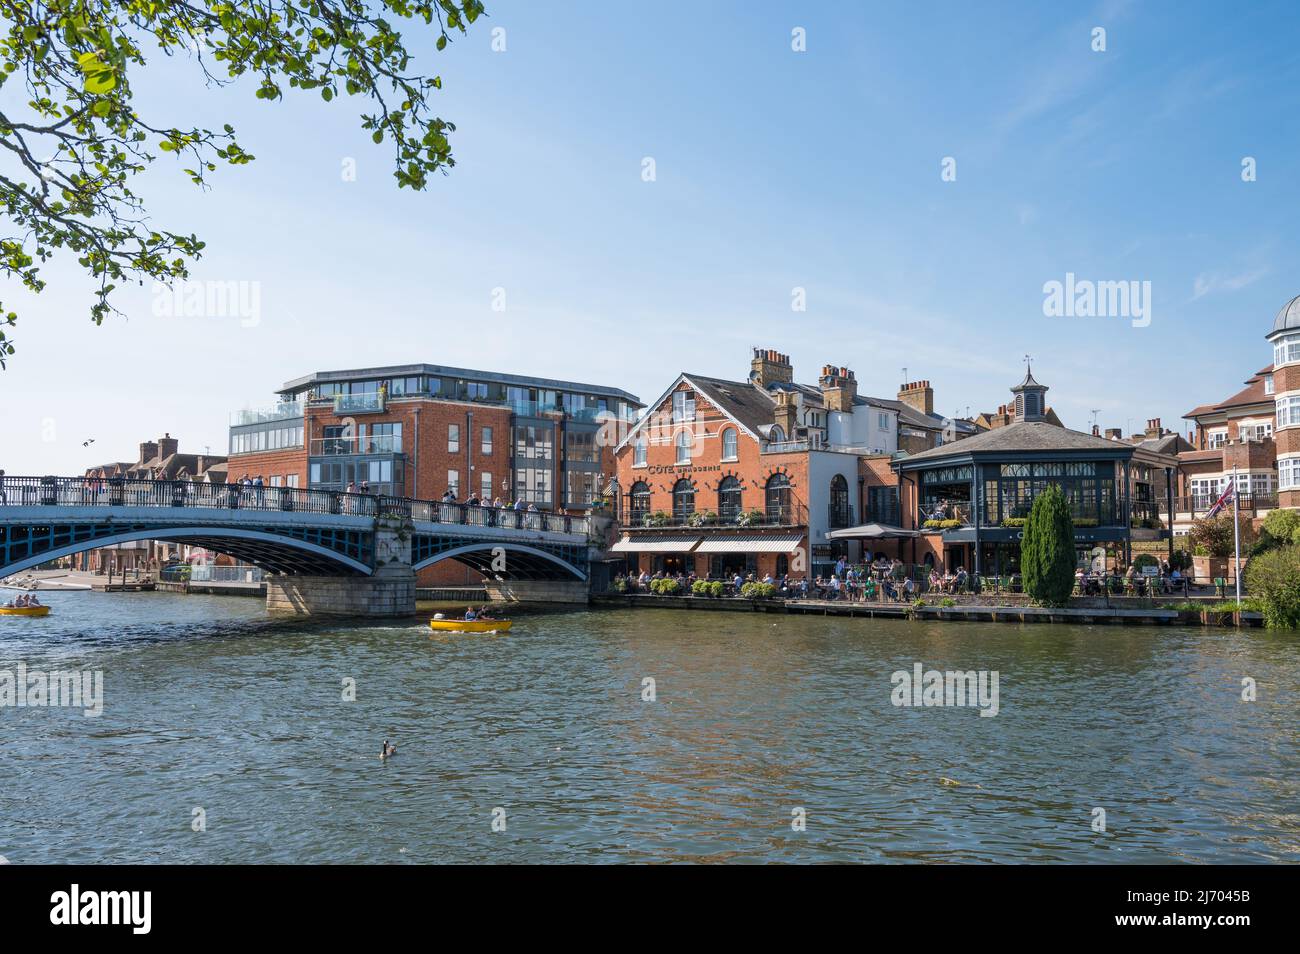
column 389, row 591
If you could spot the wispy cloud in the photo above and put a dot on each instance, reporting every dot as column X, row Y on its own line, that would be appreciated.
column 1208, row 283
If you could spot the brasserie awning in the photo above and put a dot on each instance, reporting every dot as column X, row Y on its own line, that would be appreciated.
column 649, row 544
column 872, row 531
column 750, row 543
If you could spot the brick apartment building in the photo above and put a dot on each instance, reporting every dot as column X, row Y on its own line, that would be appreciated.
column 751, row 476
column 420, row 430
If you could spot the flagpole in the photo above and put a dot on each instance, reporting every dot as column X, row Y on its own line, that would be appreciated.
column 1236, row 532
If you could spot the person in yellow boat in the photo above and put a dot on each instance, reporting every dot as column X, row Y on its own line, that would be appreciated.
column 470, row 615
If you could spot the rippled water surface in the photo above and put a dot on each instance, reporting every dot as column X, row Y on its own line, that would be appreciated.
column 209, row 704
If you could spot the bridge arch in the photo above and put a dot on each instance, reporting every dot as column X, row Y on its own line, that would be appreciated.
column 523, row 562
column 275, row 552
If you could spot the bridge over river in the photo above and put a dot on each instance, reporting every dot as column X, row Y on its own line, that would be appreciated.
column 323, row 551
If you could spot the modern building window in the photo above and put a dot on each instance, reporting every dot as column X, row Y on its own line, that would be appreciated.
column 639, row 452
column 580, row 446
column 1217, row 439
column 882, row 421
column 1268, row 384
column 683, row 499
column 384, row 439
column 683, row 442
column 487, row 440
column 729, row 444
column 640, row 505
column 581, row 487
column 729, row 499
column 453, row 438
column 453, row 482
column 777, row 497
column 534, row 485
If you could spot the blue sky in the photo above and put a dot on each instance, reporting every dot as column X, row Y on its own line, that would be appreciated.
column 774, row 170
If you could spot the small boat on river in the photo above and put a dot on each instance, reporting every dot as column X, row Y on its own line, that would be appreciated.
column 470, row 625
column 24, row 611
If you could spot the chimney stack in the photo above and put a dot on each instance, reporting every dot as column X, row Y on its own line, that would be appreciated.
column 1153, row 428
column 167, row 445
column 839, row 388
column 1096, row 431
column 918, row 394
column 148, row 451
column 1114, row 434
column 786, row 415
column 770, row 367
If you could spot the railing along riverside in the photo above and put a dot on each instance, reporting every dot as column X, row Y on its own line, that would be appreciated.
column 129, row 492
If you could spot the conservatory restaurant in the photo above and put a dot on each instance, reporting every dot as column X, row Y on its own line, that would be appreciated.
column 970, row 499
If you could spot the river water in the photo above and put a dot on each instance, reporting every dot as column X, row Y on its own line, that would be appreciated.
column 208, row 705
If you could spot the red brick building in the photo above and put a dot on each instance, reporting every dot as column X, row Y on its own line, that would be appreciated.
column 727, row 476
column 421, row 430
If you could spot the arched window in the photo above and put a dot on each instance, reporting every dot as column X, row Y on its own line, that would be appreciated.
column 775, row 435
column 683, row 499
column 640, row 508
column 840, row 515
column 729, row 444
column 778, row 498
column 638, row 452
column 729, row 500
column 683, row 443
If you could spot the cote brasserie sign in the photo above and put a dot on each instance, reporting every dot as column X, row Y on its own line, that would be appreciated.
column 683, row 470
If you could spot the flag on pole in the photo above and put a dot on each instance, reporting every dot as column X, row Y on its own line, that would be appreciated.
column 1223, row 501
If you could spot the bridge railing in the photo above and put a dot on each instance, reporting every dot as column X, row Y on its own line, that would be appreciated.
column 127, row 492
column 438, row 511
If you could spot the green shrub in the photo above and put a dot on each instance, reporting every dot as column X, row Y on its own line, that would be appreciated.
column 945, row 524
column 757, row 591
column 1014, row 521
column 947, row 601
column 1145, row 559
column 1274, row 582
column 665, row 586
column 716, row 588
column 1181, row 561
column 1280, row 528
column 1047, row 550
column 700, row 588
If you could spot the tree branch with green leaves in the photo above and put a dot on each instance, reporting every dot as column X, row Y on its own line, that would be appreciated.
column 71, row 141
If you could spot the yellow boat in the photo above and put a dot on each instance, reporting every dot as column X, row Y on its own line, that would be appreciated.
column 470, row 625
column 24, row 611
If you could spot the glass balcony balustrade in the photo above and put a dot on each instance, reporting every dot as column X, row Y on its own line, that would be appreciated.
column 346, row 446
column 285, row 411
column 368, row 403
